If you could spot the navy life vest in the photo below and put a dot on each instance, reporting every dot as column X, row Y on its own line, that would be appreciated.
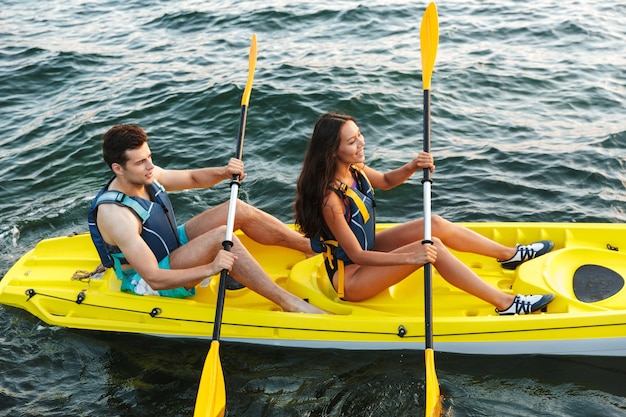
column 360, row 213
column 159, row 229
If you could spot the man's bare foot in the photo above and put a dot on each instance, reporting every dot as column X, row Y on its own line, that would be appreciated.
column 298, row 305
column 311, row 309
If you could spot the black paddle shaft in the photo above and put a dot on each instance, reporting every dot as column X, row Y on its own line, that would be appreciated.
column 242, row 131
column 427, row 132
column 428, row 305
column 219, row 308
column 227, row 243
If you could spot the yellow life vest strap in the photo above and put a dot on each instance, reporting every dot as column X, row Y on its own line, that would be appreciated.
column 328, row 256
column 340, row 279
column 355, row 197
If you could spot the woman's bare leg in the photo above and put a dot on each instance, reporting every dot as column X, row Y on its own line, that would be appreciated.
column 363, row 282
column 452, row 235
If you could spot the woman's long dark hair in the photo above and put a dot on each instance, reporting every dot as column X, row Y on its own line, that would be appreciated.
column 318, row 172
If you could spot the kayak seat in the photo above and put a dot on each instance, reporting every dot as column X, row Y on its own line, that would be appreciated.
column 585, row 275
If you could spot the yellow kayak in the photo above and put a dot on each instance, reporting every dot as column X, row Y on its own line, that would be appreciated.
column 585, row 271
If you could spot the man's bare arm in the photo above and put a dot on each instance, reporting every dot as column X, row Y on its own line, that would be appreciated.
column 120, row 227
column 174, row 180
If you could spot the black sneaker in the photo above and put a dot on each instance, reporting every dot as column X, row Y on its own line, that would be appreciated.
column 525, row 304
column 527, row 252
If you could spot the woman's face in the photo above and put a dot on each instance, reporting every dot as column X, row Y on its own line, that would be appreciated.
column 351, row 144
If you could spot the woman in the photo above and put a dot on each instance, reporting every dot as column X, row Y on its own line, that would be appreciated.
column 335, row 208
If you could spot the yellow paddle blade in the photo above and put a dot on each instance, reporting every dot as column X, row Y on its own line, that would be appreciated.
column 245, row 99
column 211, row 399
column 433, row 396
column 429, row 41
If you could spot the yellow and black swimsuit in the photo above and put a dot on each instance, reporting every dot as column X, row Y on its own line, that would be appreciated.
column 361, row 217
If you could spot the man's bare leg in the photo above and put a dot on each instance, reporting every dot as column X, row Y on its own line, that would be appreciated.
column 247, row 271
column 203, row 249
column 256, row 224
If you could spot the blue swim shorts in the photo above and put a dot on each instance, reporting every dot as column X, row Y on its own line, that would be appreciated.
column 133, row 283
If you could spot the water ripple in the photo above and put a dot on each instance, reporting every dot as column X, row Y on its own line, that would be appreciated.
column 527, row 125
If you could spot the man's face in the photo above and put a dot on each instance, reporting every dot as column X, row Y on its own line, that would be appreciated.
column 139, row 167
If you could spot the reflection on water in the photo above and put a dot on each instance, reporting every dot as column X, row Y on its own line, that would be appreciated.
column 97, row 373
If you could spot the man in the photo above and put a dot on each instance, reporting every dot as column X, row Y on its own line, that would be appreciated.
column 133, row 227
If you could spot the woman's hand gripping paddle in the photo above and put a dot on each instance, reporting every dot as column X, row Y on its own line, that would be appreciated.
column 429, row 41
column 211, row 400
